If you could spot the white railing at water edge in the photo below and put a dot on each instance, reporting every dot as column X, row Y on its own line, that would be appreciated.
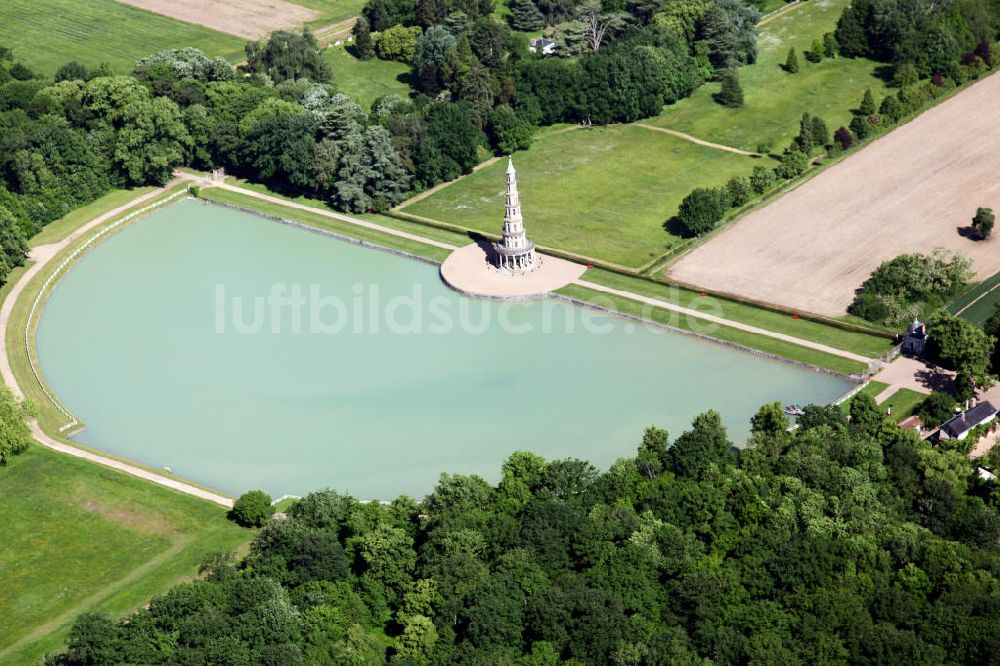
column 853, row 392
column 73, row 421
column 283, row 498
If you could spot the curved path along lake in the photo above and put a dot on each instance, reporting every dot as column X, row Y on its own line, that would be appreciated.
column 168, row 341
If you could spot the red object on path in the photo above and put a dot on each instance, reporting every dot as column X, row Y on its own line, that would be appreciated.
column 795, row 316
column 704, row 293
column 590, row 265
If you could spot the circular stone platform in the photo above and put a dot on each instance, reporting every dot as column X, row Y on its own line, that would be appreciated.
column 468, row 270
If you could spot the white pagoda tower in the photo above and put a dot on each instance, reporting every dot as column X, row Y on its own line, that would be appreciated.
column 516, row 252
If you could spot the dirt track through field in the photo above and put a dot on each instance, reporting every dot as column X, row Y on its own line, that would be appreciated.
column 913, row 190
column 252, row 19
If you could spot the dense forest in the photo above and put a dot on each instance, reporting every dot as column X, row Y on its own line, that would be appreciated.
column 846, row 541
column 922, row 37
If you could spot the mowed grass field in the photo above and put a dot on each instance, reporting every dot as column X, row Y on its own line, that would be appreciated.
column 978, row 303
column 775, row 99
column 603, row 192
column 79, row 537
column 47, row 33
column 365, row 80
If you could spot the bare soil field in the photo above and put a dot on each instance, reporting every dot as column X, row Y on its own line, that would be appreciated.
column 252, row 19
column 913, row 190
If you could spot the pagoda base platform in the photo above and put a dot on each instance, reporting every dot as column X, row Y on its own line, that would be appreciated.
column 469, row 270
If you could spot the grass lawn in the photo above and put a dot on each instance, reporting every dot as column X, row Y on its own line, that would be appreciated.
column 779, row 322
column 978, row 302
column 775, row 100
column 872, row 388
column 47, row 33
column 602, row 193
column 79, row 537
column 762, row 343
column 365, row 80
column 902, row 403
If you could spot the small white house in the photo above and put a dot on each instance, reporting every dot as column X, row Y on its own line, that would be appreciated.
column 914, row 341
column 542, row 45
column 960, row 426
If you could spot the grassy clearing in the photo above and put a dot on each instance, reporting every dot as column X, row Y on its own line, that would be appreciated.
column 365, row 80
column 779, row 322
column 603, row 193
column 321, row 222
column 762, row 343
column 74, row 530
column 902, row 403
column 47, row 33
column 978, row 302
column 775, row 100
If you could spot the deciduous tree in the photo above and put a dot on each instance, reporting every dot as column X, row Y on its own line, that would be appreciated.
column 983, row 222
column 252, row 508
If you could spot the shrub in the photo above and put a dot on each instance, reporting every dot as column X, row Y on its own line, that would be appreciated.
column 194, row 191
column 792, row 62
column 815, row 53
column 761, row 179
column 731, row 93
column 843, row 138
column 905, row 75
column 793, row 163
column 860, row 127
column 252, row 509
column 740, row 191
column 830, row 46
column 820, row 133
column 891, row 108
column 702, row 209
column 983, row 222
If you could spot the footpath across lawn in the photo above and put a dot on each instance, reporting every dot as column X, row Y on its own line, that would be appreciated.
column 79, row 537
column 775, row 99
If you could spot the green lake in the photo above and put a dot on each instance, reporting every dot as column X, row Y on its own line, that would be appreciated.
column 382, row 379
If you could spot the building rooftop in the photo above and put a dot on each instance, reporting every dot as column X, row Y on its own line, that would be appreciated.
column 969, row 419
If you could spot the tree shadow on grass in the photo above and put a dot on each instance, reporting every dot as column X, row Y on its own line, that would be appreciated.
column 675, row 227
column 884, row 72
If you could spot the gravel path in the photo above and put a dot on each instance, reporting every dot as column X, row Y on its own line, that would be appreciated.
column 700, row 142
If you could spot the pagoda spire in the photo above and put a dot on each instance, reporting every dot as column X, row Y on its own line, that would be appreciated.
column 516, row 252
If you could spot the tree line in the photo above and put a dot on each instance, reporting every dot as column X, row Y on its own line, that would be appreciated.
column 704, row 208
column 279, row 119
column 847, row 540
